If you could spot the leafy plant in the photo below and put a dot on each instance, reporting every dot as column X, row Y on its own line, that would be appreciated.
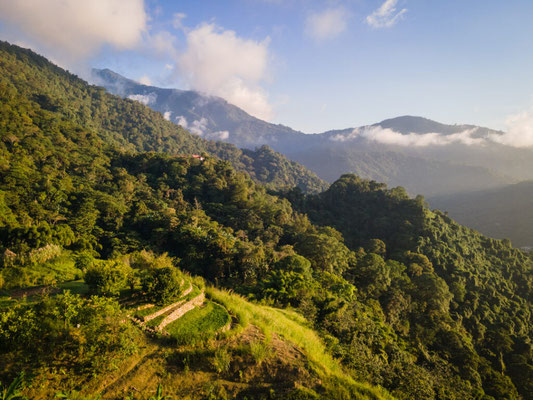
column 12, row 392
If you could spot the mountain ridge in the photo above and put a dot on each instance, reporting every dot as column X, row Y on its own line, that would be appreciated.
column 212, row 116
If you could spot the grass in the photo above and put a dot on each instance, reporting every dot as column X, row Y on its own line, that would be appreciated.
column 6, row 301
column 199, row 323
column 292, row 327
column 147, row 311
column 75, row 287
column 154, row 323
column 260, row 351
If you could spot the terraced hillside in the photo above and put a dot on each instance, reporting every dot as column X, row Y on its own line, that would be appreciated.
column 211, row 344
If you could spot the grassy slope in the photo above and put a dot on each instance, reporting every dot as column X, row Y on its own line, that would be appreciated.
column 201, row 322
column 294, row 328
column 268, row 354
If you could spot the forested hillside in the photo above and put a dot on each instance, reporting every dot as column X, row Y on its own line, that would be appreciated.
column 130, row 125
column 356, row 292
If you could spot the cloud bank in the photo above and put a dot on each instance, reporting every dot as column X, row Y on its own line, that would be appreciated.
column 199, row 127
column 72, row 30
column 220, row 63
column 519, row 130
column 327, row 24
column 386, row 15
column 391, row 137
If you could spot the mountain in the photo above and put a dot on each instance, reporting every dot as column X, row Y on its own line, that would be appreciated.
column 505, row 212
column 429, row 170
column 122, row 270
column 135, row 127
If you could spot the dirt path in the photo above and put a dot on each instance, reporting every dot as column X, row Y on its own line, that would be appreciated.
column 33, row 291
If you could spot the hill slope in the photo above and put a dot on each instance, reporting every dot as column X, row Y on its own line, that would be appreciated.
column 396, row 295
column 133, row 126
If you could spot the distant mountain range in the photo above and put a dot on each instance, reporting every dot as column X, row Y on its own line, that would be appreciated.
column 424, row 156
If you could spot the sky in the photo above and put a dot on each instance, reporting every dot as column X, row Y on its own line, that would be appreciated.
column 312, row 65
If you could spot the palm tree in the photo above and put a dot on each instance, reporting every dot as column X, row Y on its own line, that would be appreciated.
column 12, row 392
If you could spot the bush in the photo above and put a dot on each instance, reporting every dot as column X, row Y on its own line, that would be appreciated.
column 161, row 284
column 107, row 277
column 47, row 332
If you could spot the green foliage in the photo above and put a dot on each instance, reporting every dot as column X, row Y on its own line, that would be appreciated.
column 107, row 277
column 402, row 297
column 159, row 394
column 60, row 97
column 12, row 392
column 79, row 334
column 162, row 284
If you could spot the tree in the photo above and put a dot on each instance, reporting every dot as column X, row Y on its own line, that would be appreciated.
column 107, row 277
column 161, row 284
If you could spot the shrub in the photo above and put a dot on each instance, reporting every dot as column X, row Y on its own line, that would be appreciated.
column 161, row 284
column 107, row 277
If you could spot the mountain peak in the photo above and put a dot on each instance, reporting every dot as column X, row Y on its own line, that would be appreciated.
column 414, row 124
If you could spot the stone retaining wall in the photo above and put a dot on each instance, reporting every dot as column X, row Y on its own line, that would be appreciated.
column 179, row 312
column 168, row 308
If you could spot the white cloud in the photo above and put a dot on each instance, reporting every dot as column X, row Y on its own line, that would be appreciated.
column 162, row 44
column 386, row 15
column 220, row 63
column 219, row 135
column 69, row 31
column 167, row 115
column 519, row 130
column 181, row 120
column 145, row 80
column 327, row 24
column 198, row 126
column 145, row 99
column 388, row 136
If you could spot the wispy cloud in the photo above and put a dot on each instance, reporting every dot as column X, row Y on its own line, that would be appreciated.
column 327, row 24
column 145, row 80
column 386, row 15
column 220, row 63
column 391, row 137
column 177, row 20
column 144, row 99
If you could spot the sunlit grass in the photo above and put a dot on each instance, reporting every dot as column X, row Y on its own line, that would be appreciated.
column 292, row 327
column 199, row 323
column 75, row 287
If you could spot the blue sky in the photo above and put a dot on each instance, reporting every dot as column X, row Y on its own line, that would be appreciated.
column 313, row 65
